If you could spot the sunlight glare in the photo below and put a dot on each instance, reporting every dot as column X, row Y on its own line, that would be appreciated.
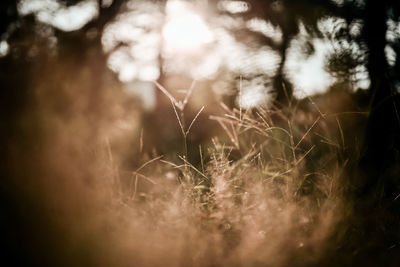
column 59, row 15
column 184, row 30
column 253, row 93
column 234, row 7
column 4, row 48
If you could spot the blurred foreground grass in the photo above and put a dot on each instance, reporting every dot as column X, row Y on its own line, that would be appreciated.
column 271, row 190
column 275, row 188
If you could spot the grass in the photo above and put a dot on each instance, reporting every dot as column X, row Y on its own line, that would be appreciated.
column 270, row 192
column 275, row 188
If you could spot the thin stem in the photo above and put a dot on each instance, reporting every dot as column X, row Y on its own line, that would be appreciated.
column 191, row 124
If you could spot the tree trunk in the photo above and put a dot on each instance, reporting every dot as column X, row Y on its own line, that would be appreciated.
column 381, row 147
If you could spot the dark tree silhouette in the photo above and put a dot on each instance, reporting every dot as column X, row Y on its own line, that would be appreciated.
column 31, row 75
column 382, row 133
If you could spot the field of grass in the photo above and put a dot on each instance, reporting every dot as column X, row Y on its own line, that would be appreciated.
column 277, row 187
column 271, row 190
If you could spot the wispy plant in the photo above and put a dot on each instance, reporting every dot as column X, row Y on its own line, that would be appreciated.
column 180, row 105
column 269, row 193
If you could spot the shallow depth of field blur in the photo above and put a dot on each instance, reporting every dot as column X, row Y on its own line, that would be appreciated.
column 200, row 133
